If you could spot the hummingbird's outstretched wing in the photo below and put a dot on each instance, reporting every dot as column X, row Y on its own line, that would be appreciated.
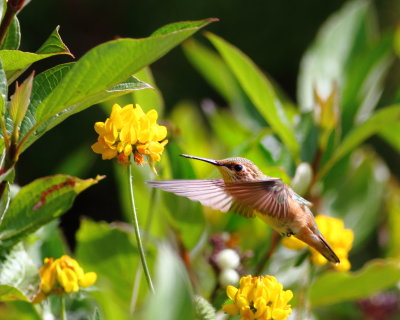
column 210, row 193
column 269, row 196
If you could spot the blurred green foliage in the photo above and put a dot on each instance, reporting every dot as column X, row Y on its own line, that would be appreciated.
column 345, row 96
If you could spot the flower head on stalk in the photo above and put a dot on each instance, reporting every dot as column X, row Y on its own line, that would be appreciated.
column 260, row 298
column 63, row 275
column 128, row 131
column 339, row 238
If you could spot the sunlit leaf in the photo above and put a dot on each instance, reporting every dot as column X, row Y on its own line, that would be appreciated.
column 13, row 37
column 15, row 62
column 335, row 287
column 38, row 203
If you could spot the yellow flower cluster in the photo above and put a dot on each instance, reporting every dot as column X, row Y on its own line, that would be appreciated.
column 339, row 238
column 261, row 298
column 63, row 275
column 130, row 130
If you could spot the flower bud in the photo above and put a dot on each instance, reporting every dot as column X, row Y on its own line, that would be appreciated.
column 228, row 277
column 227, row 259
column 302, row 178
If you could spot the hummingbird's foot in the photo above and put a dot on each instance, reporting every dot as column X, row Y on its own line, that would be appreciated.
column 288, row 233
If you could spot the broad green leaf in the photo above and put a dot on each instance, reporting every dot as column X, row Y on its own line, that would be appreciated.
column 38, row 203
column 15, row 62
column 10, row 293
column 19, row 276
column 179, row 26
column 335, row 287
column 382, row 118
column 108, row 64
column 260, row 91
column 19, row 310
column 109, row 250
column 13, row 37
column 325, row 61
column 98, row 75
column 181, row 306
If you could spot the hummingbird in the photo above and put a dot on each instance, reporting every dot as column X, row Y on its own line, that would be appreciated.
column 245, row 190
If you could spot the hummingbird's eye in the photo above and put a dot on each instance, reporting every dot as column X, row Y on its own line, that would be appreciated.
column 238, row 167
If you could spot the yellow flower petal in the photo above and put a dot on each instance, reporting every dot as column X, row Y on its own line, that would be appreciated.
column 231, row 292
column 231, row 309
column 88, row 279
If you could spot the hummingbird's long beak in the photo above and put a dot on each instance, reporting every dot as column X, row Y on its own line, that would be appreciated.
column 214, row 162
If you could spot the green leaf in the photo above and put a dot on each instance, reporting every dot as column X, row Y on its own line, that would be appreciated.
column 181, row 306
column 20, row 101
column 335, row 287
column 179, row 26
column 13, row 37
column 15, row 62
column 382, row 118
column 97, row 77
column 10, row 293
column 390, row 134
column 325, row 61
column 19, row 276
column 38, row 203
column 3, row 90
column 5, row 201
column 107, row 65
column 260, row 91
column 109, row 250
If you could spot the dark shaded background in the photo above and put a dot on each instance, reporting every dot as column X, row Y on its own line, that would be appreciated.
column 274, row 34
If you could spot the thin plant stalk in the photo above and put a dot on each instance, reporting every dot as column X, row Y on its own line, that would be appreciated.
column 139, row 272
column 135, row 223
column 62, row 307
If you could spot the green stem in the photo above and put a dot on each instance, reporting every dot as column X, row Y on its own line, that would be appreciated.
column 62, row 308
column 138, row 277
column 135, row 224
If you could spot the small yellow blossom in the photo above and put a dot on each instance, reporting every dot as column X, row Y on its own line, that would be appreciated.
column 130, row 130
column 63, row 275
column 339, row 238
column 261, row 298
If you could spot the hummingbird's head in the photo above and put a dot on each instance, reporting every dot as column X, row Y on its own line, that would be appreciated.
column 233, row 169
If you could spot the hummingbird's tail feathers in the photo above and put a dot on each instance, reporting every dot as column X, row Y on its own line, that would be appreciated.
column 318, row 242
column 327, row 251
